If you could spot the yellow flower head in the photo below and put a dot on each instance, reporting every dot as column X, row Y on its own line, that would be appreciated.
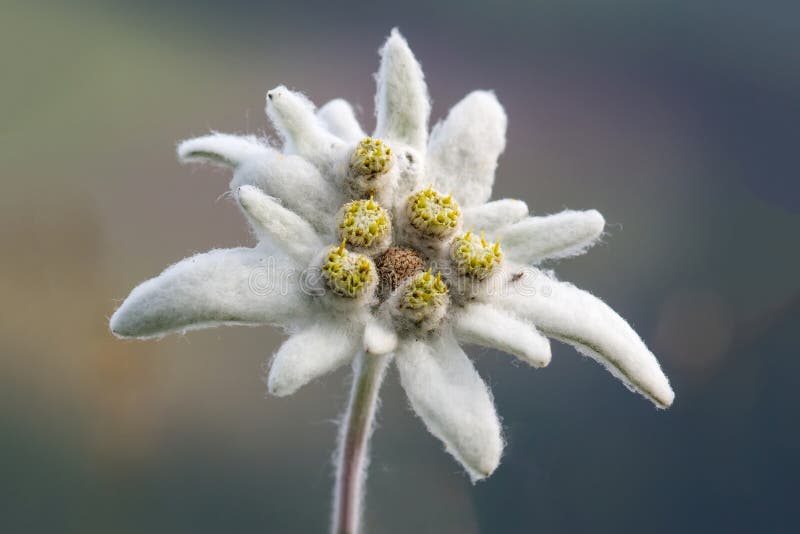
column 423, row 292
column 348, row 274
column 473, row 256
column 364, row 223
column 433, row 214
column 371, row 158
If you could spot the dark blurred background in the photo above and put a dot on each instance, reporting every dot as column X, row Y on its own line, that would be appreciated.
column 678, row 121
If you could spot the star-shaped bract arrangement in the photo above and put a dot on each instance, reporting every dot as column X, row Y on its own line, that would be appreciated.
column 389, row 245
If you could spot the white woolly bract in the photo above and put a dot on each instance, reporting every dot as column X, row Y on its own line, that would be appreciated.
column 494, row 215
column 561, row 235
column 402, row 105
column 455, row 404
column 221, row 149
column 311, row 353
column 562, row 311
column 225, row 286
column 284, row 228
column 379, row 336
column 297, row 183
column 488, row 326
column 340, row 120
column 463, row 150
column 303, row 133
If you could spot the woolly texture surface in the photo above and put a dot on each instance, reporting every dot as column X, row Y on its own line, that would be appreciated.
column 221, row 149
column 409, row 173
column 564, row 234
column 338, row 117
column 297, row 183
column 494, row 215
column 402, row 105
column 302, row 131
column 316, row 350
column 444, row 389
column 211, row 289
column 379, row 337
column 284, row 228
column 564, row 312
column 486, row 325
column 463, row 150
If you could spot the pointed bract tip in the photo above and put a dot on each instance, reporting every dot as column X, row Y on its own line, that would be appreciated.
column 395, row 34
column 598, row 222
column 276, row 92
column 484, row 470
column 396, row 43
column 664, row 399
column 116, row 327
column 277, row 389
column 121, row 324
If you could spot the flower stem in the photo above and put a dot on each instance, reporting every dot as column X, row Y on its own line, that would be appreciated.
column 352, row 459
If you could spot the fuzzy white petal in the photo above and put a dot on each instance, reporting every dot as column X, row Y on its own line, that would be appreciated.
column 402, row 104
column 494, row 215
column 455, row 404
column 284, row 228
column 225, row 286
column 562, row 311
column 492, row 327
column 561, row 235
column 314, row 351
column 221, row 149
column 303, row 133
column 463, row 150
column 340, row 119
column 296, row 182
column 379, row 337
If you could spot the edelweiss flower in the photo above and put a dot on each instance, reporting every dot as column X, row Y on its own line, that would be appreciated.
column 381, row 246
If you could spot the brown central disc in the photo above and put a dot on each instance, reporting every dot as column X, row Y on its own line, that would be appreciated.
column 395, row 265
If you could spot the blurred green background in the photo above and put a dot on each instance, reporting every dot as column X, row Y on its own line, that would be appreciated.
column 678, row 121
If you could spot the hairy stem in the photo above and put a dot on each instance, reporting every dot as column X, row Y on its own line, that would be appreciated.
column 352, row 459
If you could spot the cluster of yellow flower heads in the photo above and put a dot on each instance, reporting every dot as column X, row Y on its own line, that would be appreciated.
column 366, row 227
